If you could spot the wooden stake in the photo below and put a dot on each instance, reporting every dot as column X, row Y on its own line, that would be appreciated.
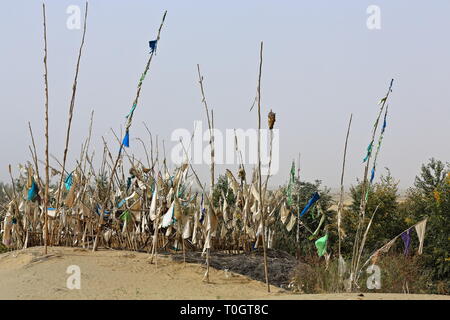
column 341, row 196
column 211, row 145
column 261, row 196
column 365, row 187
column 151, row 148
column 47, row 176
column 71, row 108
column 114, row 168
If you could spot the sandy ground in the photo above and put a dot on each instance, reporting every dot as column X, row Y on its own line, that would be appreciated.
column 108, row 274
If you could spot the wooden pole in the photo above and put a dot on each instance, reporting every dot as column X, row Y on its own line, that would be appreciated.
column 208, row 198
column 364, row 190
column 71, row 108
column 341, row 196
column 34, row 156
column 114, row 168
column 47, row 176
column 211, row 144
column 261, row 196
column 151, row 148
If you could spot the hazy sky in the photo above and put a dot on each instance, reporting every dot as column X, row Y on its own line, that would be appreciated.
column 321, row 63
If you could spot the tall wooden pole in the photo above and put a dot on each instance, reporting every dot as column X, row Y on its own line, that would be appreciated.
column 114, row 168
column 71, row 108
column 47, row 176
column 211, row 145
column 261, row 196
column 364, row 192
column 341, row 199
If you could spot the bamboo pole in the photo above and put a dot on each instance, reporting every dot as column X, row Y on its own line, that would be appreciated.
column 47, row 175
column 341, row 195
column 34, row 156
column 208, row 198
column 114, row 168
column 88, row 142
column 261, row 196
column 211, row 144
column 151, row 148
column 364, row 193
column 71, row 108
column 13, row 188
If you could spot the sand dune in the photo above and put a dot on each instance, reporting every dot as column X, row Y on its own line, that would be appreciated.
column 109, row 274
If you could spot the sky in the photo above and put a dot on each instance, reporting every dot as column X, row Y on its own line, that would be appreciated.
column 321, row 63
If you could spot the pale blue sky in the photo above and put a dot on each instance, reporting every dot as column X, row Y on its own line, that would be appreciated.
column 321, row 63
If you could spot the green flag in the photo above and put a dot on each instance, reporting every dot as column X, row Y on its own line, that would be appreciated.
column 321, row 245
column 291, row 181
column 125, row 216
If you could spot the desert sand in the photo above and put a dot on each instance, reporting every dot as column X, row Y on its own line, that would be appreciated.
column 110, row 274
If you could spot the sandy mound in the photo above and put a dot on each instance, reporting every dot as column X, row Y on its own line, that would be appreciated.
column 108, row 274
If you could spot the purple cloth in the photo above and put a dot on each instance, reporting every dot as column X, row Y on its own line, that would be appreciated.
column 406, row 237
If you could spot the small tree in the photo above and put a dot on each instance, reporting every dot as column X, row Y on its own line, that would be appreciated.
column 430, row 197
column 387, row 222
column 301, row 193
column 221, row 186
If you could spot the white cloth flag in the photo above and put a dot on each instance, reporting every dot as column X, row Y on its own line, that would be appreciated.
column 194, row 232
column 284, row 214
column 153, row 203
column 420, row 229
column 207, row 244
column 291, row 223
column 7, row 231
column 187, row 229
column 168, row 217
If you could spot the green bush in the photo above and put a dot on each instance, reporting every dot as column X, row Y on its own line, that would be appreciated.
column 400, row 274
column 313, row 276
column 301, row 193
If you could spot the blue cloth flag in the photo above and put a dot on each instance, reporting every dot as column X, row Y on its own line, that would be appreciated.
column 69, row 181
column 131, row 111
column 152, row 44
column 105, row 213
column 311, row 201
column 406, row 237
column 32, row 193
column 129, row 183
column 369, row 152
column 121, row 203
column 202, row 211
column 372, row 175
column 126, row 140
column 384, row 122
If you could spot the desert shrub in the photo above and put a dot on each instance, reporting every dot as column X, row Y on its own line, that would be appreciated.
column 3, row 249
column 312, row 275
column 400, row 274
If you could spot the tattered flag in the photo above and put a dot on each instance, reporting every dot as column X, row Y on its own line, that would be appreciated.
column 33, row 191
column 321, row 245
column 69, row 181
column 152, row 44
column 406, row 237
column 369, row 151
column 311, row 201
column 126, row 140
